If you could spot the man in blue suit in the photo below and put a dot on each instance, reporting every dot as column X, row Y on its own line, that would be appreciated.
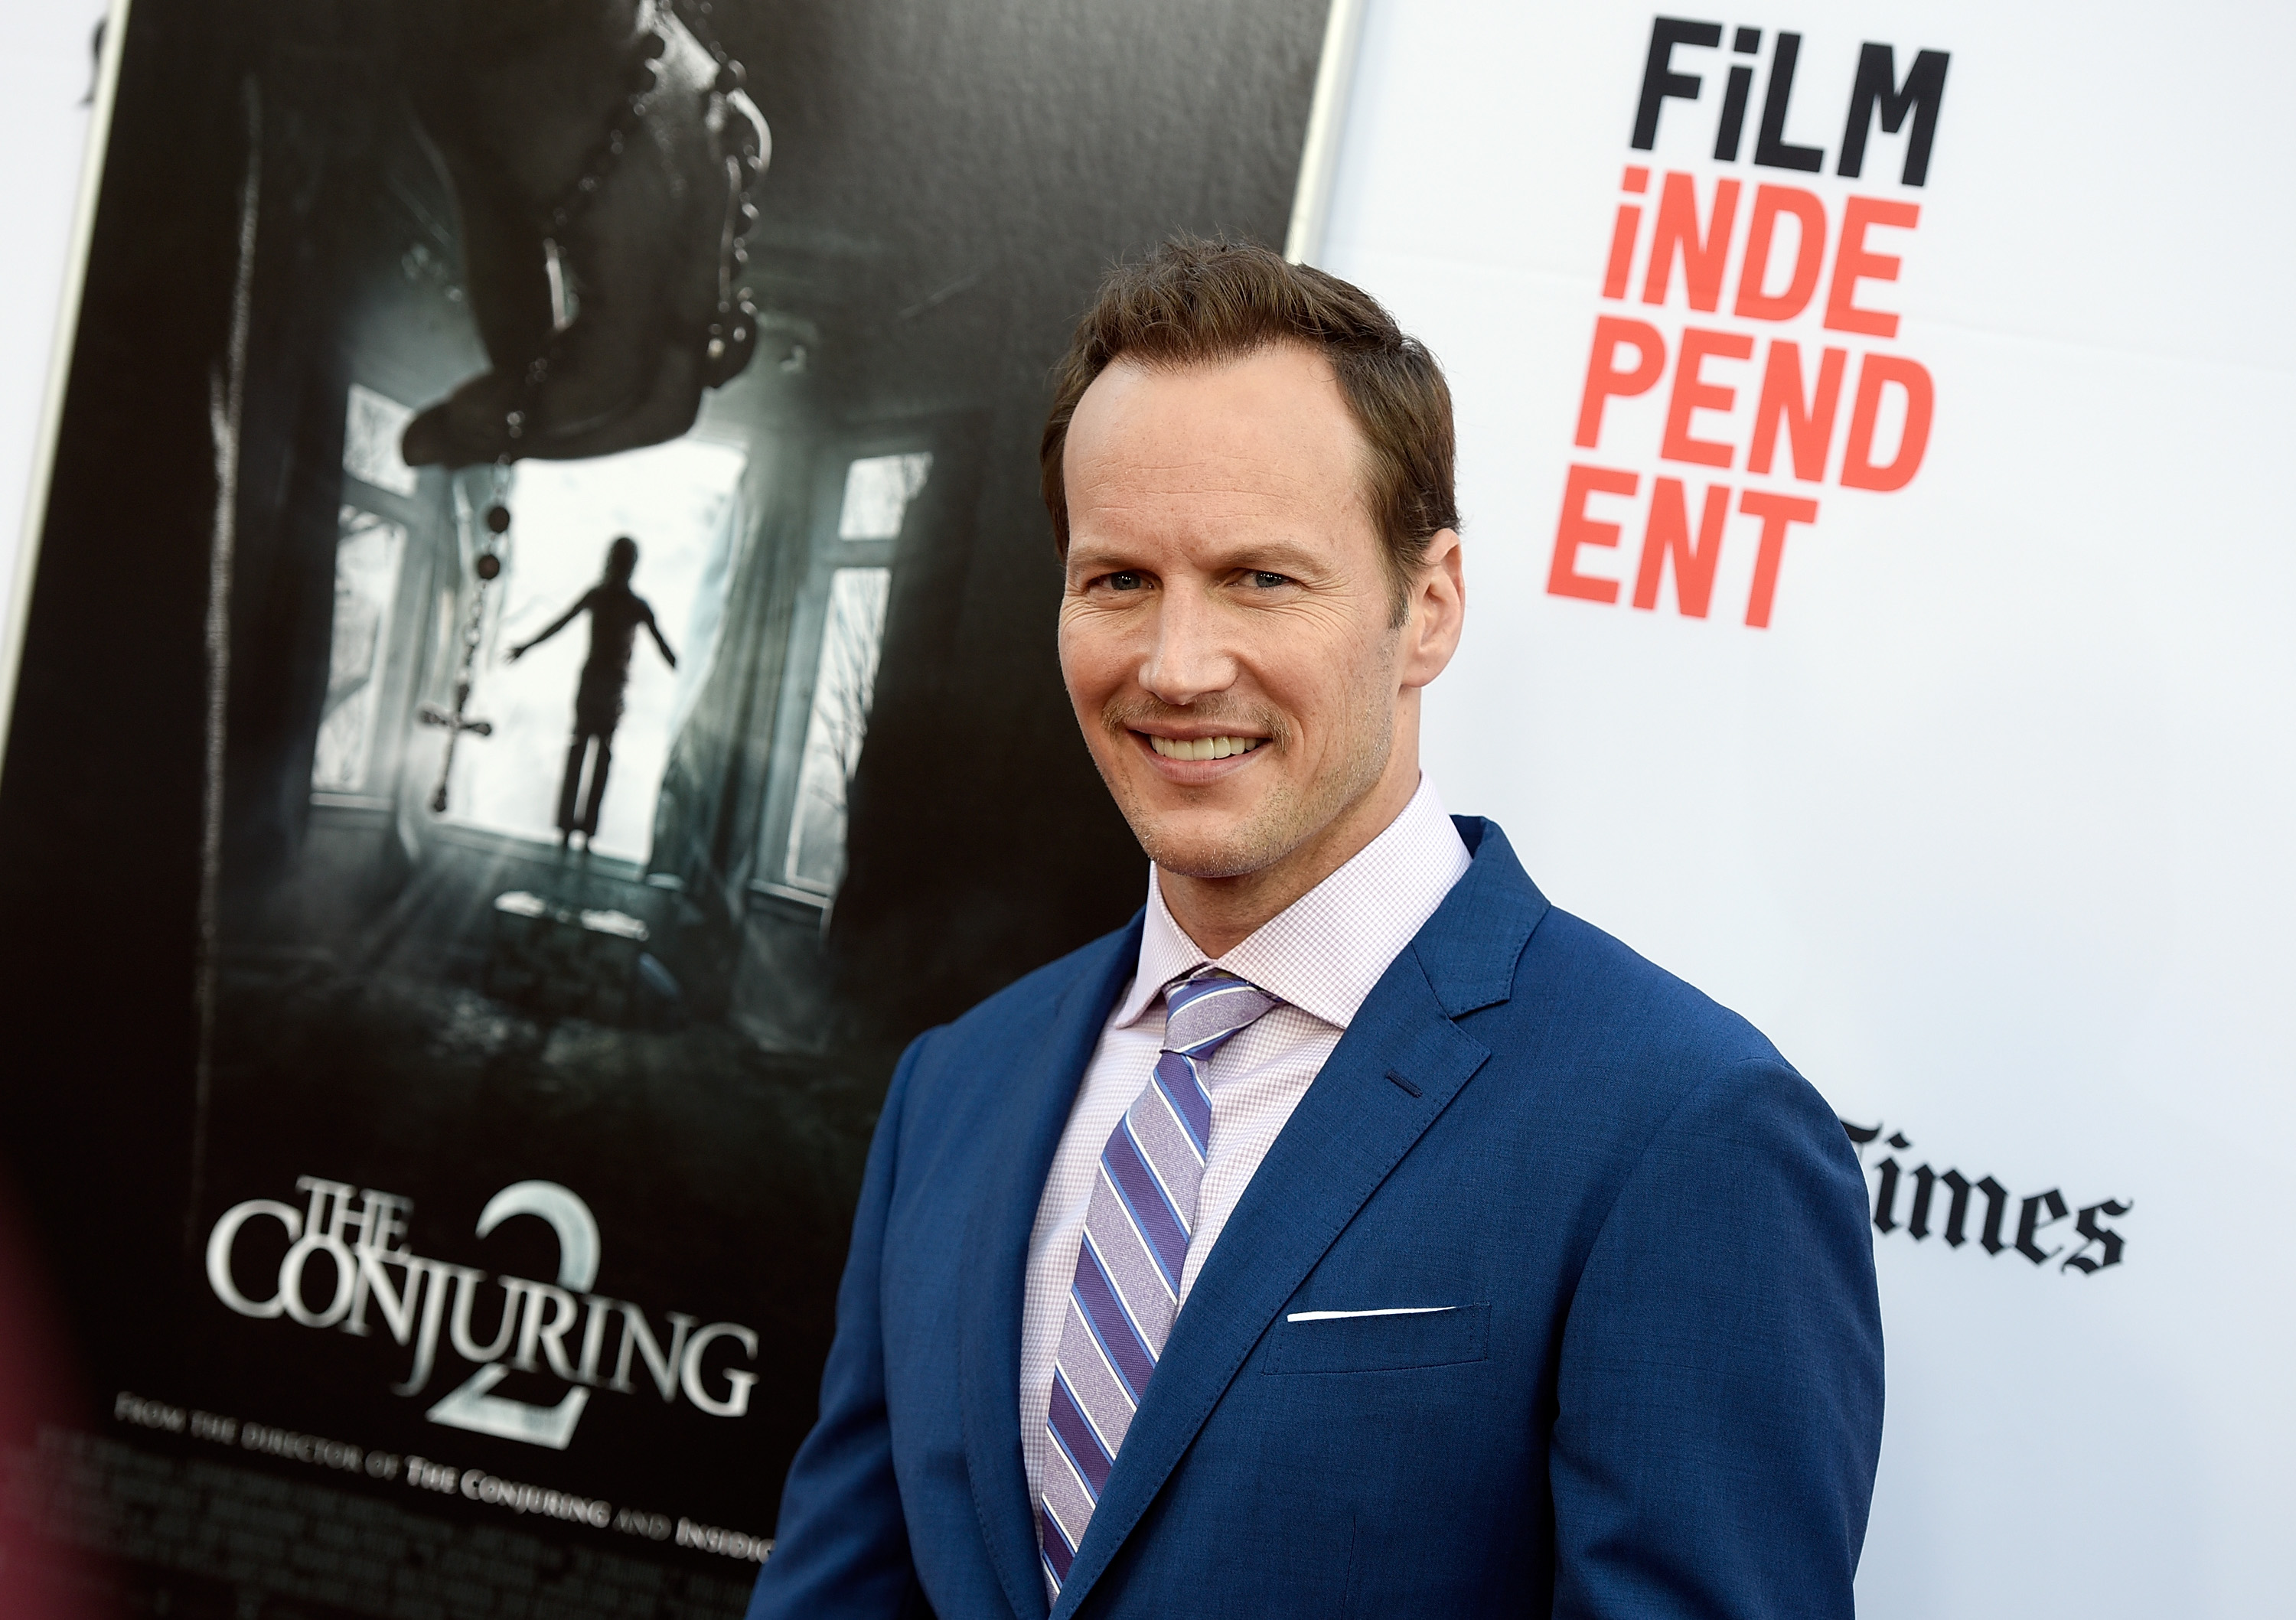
column 1355, row 1233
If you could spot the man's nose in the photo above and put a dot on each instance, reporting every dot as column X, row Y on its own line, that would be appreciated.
column 1189, row 658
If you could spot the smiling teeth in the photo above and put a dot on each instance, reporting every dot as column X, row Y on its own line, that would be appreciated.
column 1203, row 748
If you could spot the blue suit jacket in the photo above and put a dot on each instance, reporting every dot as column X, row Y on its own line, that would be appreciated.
column 1659, row 1393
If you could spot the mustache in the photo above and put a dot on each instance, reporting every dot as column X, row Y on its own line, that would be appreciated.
column 1120, row 715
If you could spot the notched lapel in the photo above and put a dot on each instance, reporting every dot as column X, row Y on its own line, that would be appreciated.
column 1018, row 1147
column 1472, row 945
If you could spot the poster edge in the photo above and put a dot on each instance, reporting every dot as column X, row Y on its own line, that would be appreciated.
column 1320, row 152
column 64, row 341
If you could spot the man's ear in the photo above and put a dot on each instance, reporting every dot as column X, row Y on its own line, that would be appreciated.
column 1437, row 613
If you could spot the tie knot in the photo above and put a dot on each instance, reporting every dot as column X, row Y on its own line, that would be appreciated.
column 1203, row 1012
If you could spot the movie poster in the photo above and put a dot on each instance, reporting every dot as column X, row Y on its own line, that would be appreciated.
column 539, row 681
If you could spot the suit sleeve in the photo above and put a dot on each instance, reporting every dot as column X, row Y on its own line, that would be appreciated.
column 1719, row 1388
column 842, row 1549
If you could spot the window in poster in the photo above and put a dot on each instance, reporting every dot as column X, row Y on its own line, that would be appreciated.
column 368, row 558
column 372, row 424
column 385, row 529
column 833, row 673
column 878, row 490
column 843, row 682
column 678, row 502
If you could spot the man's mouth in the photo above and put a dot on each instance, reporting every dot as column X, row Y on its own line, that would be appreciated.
column 1203, row 748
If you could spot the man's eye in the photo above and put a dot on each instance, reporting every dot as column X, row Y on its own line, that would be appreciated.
column 1125, row 580
column 1266, row 581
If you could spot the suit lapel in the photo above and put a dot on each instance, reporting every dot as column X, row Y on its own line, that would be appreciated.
column 1037, row 1098
column 1350, row 1130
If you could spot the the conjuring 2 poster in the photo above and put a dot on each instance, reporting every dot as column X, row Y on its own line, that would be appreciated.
column 540, row 680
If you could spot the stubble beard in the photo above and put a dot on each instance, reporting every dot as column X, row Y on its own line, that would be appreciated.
column 1288, row 815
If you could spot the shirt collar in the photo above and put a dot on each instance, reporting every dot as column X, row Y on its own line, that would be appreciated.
column 1324, row 951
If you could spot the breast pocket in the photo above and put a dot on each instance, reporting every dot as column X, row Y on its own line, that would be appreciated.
column 1316, row 1341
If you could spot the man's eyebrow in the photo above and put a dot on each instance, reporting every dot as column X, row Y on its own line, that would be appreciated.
column 1280, row 557
column 1266, row 554
column 1092, row 556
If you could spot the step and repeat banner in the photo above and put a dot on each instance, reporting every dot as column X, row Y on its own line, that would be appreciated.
column 1873, row 423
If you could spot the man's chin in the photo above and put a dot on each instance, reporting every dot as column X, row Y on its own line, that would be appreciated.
column 1210, row 869
column 1211, row 853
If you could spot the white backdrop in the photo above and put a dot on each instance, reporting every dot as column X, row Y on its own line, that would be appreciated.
column 1990, row 827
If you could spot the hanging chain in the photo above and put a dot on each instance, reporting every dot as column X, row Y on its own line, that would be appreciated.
column 456, row 721
column 733, row 334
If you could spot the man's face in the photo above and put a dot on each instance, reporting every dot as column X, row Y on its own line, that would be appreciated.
column 1226, row 630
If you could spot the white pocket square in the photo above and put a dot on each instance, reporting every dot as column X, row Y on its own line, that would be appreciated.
column 1389, row 1311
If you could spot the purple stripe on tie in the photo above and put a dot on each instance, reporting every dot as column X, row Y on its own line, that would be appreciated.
column 1215, row 982
column 1075, row 1438
column 1175, row 1078
column 1058, row 1554
column 1151, row 1211
column 1164, row 1143
column 1131, row 1271
column 1208, row 1011
column 1099, row 1393
column 1105, row 1315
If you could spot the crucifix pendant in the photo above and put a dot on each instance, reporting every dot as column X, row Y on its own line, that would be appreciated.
column 458, row 722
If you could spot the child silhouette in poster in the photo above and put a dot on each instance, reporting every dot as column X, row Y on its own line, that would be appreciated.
column 616, row 611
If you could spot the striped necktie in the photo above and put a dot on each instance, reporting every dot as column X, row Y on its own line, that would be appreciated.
column 1135, row 1245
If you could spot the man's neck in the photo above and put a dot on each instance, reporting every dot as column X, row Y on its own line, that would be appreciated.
column 1221, row 914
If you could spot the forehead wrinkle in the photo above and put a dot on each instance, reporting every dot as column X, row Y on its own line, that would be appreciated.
column 1230, row 469
column 1184, row 505
column 1195, row 524
column 1214, row 474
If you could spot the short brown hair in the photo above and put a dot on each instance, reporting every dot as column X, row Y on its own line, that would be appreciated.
column 1193, row 302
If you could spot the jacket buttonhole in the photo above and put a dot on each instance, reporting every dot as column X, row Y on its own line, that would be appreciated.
column 1400, row 1081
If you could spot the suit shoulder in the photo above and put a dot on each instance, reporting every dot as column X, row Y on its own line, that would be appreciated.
column 1637, row 1038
